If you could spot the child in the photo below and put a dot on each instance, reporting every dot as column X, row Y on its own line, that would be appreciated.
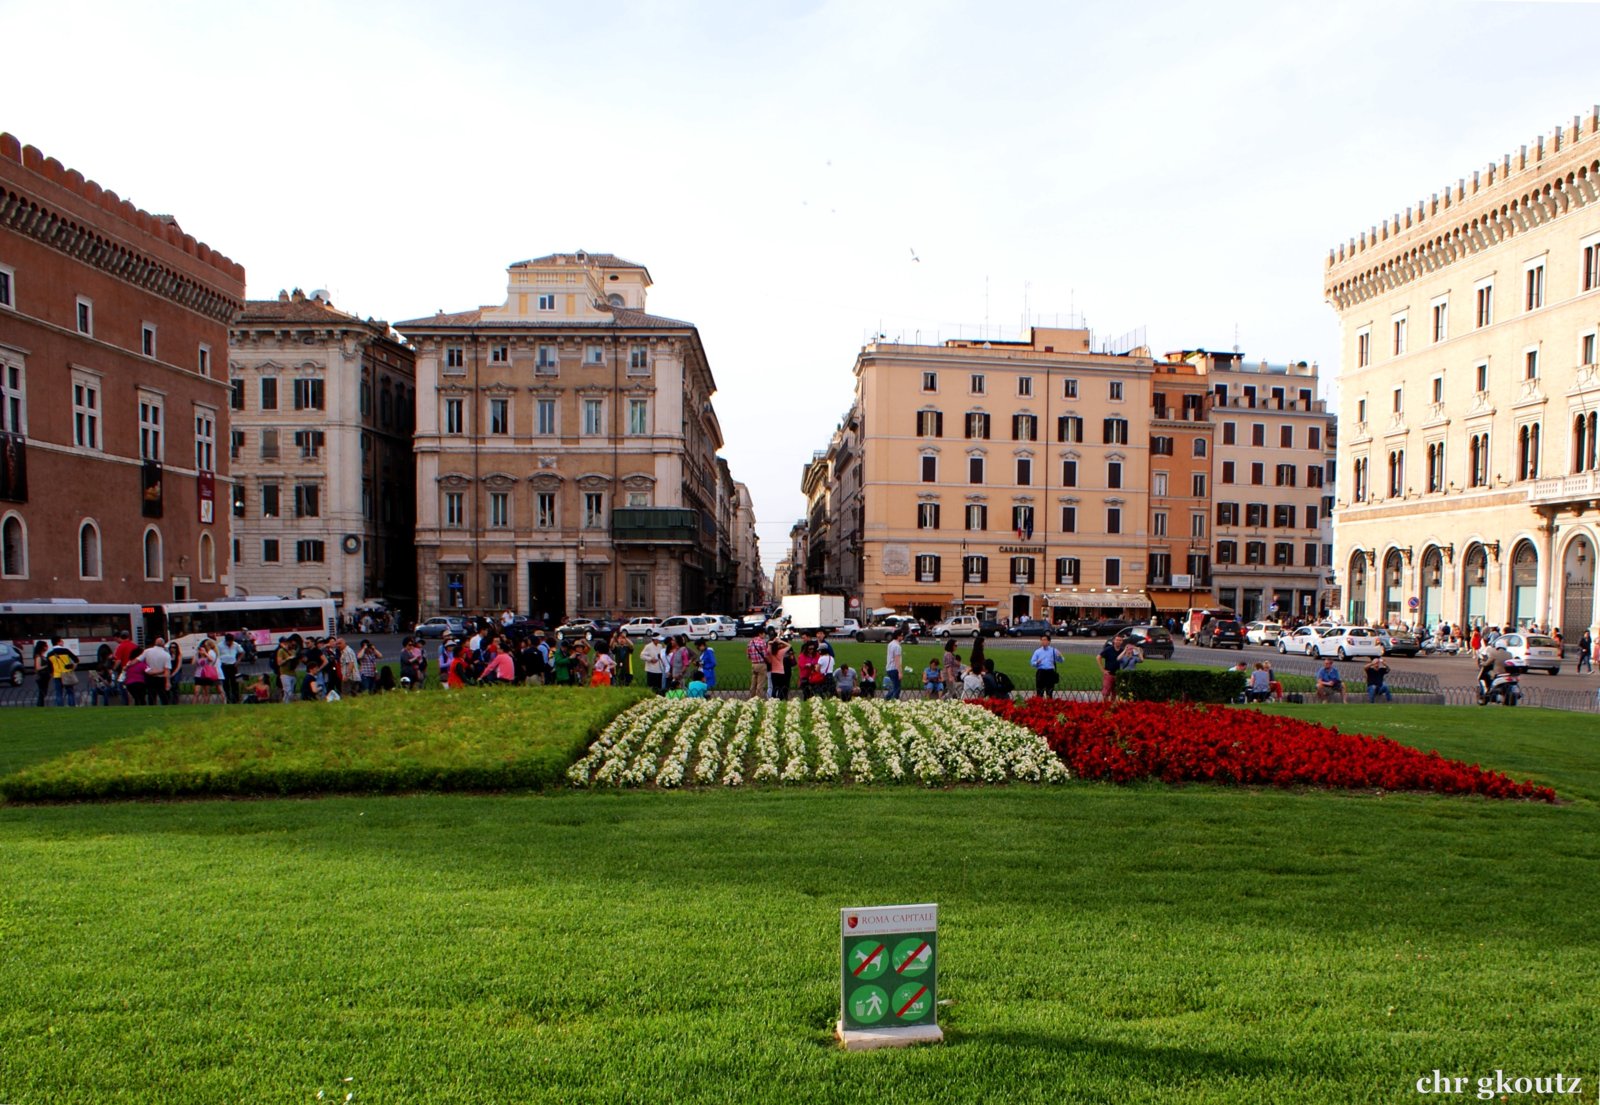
column 697, row 683
column 604, row 666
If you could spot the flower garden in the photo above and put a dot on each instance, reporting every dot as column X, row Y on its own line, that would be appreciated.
column 705, row 742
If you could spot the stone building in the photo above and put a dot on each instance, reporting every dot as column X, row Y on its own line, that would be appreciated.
column 113, row 393
column 1468, row 456
column 324, row 494
column 750, row 586
column 566, row 449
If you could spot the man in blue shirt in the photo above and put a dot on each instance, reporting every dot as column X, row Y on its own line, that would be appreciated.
column 1044, row 661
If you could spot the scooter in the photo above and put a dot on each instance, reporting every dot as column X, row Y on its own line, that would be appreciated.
column 1505, row 688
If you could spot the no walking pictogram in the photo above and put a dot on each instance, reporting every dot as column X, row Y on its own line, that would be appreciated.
column 888, row 974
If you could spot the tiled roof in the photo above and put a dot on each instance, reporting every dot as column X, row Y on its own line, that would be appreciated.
column 300, row 309
column 621, row 317
column 604, row 260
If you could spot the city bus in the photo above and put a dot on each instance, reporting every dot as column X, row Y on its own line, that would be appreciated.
column 82, row 626
column 263, row 621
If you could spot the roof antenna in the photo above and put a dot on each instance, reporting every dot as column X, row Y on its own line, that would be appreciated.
column 1236, row 337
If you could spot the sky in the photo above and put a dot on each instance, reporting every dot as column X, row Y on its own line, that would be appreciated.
column 801, row 176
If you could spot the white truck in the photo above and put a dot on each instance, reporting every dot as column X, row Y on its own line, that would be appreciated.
column 807, row 613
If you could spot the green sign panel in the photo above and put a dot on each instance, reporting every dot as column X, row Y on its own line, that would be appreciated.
column 889, row 966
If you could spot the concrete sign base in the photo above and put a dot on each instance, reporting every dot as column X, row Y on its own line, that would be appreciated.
column 866, row 1039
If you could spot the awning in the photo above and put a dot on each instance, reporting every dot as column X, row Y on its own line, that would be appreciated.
column 914, row 598
column 1101, row 600
column 1177, row 604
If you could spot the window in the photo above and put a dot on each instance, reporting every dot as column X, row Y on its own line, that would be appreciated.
column 1533, row 286
column 1286, row 437
column 499, row 354
column 1483, row 377
column 1441, row 320
column 975, row 569
column 1114, row 431
column 1363, row 348
column 7, row 284
column 1069, row 429
column 1160, row 571
column 455, row 590
column 1024, row 472
column 1199, row 447
column 927, row 569
column 594, row 422
column 1227, row 514
column 153, row 560
column 499, row 509
column 269, row 550
column 1113, row 571
column 1399, row 325
column 978, row 426
column 1227, row 471
column 500, row 416
column 307, row 500
column 270, row 507
column 88, row 550
column 974, row 469
column 1255, row 552
column 269, row 393
column 547, row 360
column 977, row 517
column 1285, row 475
column 1591, row 270
column 1255, row 515
column 1314, row 475
column 1528, row 452
column 1311, row 554
column 203, row 360
column 547, row 302
column 1024, row 427
column 1069, row 389
column 238, row 500
column 1158, row 523
column 1283, row 515
column 594, row 510
column 308, row 394
column 930, row 469
column 594, row 355
column 1069, row 519
column 638, row 584
column 1283, row 553
column 927, row 515
column 930, row 424
column 544, row 508
column 1258, row 435
column 1484, row 293
column 85, row 316
column 499, row 589
column 1022, row 569
column 1230, row 433
column 638, row 360
column 1197, row 523
column 205, row 440
column 1161, row 446
column 310, row 552
column 977, row 383
column 1586, row 349
column 1258, row 473
column 546, row 410
column 1359, row 490
column 208, row 559
column 236, row 394
column 1069, row 473
column 1158, row 484
column 13, row 399
column 1022, row 520
column 638, row 416
column 150, row 418
column 1397, row 473
column 1313, row 437
column 454, row 416
column 455, row 356
column 85, row 411
column 269, row 444
column 1068, row 569
column 1531, row 365
column 930, row 381
column 1227, row 552
column 310, row 443
column 1113, row 519
column 1114, row 390
column 13, row 548
column 1113, row 473
column 455, row 509
column 147, row 339
column 1197, row 485
column 1025, row 386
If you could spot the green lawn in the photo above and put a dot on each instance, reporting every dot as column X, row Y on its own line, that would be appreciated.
column 1138, row 944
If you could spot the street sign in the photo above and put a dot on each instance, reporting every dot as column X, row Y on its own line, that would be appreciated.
column 1413, row 602
column 1182, row 581
column 888, row 971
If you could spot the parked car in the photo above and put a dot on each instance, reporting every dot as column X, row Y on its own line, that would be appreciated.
column 1263, row 633
column 1349, row 643
column 849, row 628
column 585, row 629
column 962, row 625
column 990, row 627
column 1221, row 633
column 442, row 627
column 11, row 672
column 727, row 628
column 751, row 624
column 1102, row 627
column 883, row 628
column 1303, row 640
column 1034, row 627
column 1399, row 642
column 1154, row 640
column 1534, row 651
column 696, row 627
column 641, row 627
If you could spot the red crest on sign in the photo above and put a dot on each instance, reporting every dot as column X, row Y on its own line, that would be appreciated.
column 850, row 921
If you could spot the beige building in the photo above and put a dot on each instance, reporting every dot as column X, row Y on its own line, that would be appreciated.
column 1470, row 393
column 324, row 480
column 566, row 449
column 1273, row 490
column 1003, row 477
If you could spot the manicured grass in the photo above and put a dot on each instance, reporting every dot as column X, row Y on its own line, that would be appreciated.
column 474, row 738
column 1112, row 944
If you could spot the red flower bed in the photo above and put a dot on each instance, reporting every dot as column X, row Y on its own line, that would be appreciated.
column 1183, row 743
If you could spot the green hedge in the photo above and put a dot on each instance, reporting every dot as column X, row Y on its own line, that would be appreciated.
column 1153, row 684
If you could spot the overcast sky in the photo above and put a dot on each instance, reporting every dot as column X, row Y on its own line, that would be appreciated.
column 1176, row 167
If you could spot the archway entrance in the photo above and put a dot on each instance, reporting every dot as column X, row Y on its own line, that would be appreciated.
column 1432, row 610
column 1356, row 606
column 1524, row 585
column 1475, row 586
column 1393, row 593
column 1577, row 593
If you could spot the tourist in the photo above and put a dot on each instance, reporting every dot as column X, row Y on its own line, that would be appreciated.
column 697, row 686
column 175, row 679
column 1047, row 658
column 972, row 684
column 349, row 667
column 367, row 657
column 823, row 647
column 844, row 682
column 1259, row 689
column 133, row 681
column 207, row 675
column 41, row 668
column 124, row 655
column 1585, row 652
column 932, row 679
column 622, row 653
column 996, row 684
column 778, row 664
column 579, row 663
column 1329, row 682
column 286, row 661
column 501, row 668
column 1131, row 656
column 229, row 653
column 868, row 680
column 1273, row 684
column 258, row 692
column 64, row 670
column 708, row 665
column 894, row 661
column 950, row 670
column 653, row 657
column 413, row 664
column 1377, row 670
column 806, row 668
column 756, row 651
column 157, row 672
column 102, row 684
column 605, row 668
column 561, row 664
column 679, row 661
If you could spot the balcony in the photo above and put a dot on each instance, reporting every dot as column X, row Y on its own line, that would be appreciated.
column 1559, row 490
column 655, row 526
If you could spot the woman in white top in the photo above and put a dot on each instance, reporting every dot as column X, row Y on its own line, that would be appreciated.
column 655, row 666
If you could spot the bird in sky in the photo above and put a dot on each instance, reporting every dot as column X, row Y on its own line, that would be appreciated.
column 914, row 256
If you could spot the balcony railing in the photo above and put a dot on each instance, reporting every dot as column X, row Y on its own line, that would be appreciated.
column 655, row 524
column 1564, row 489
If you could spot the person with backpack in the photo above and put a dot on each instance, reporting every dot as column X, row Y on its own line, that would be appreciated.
column 64, row 671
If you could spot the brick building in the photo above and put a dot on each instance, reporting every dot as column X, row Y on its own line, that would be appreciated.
column 113, row 393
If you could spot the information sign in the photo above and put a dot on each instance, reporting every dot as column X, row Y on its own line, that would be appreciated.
column 888, row 975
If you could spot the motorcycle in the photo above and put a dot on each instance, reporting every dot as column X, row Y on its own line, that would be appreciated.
column 1505, row 688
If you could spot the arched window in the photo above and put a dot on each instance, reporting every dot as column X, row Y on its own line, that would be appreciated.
column 1358, row 588
column 208, row 558
column 13, row 547
column 89, row 550
column 152, row 553
column 1199, row 446
column 1580, row 439
column 1393, row 586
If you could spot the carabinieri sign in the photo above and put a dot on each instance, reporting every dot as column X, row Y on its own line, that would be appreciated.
column 888, row 974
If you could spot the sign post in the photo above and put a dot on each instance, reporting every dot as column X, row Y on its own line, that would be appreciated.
column 888, row 995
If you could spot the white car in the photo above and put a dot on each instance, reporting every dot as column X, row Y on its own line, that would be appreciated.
column 1303, row 640
column 1263, row 633
column 696, row 627
column 849, row 629
column 1350, row 643
column 639, row 628
column 727, row 628
column 1536, row 651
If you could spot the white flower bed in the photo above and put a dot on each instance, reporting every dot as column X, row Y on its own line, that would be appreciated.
column 686, row 742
